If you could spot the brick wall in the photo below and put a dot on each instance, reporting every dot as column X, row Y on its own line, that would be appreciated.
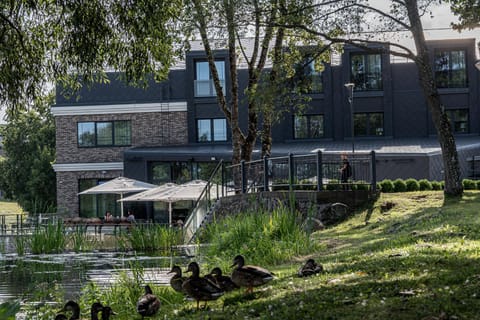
column 148, row 129
column 67, row 188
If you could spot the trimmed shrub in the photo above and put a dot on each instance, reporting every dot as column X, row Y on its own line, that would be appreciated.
column 333, row 185
column 412, row 184
column 436, row 185
column 425, row 185
column 361, row 185
column 478, row 184
column 399, row 185
column 386, row 185
column 469, row 184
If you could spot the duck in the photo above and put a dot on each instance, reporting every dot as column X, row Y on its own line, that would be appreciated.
column 310, row 268
column 148, row 304
column 73, row 307
column 200, row 288
column 177, row 280
column 107, row 312
column 224, row 282
column 249, row 276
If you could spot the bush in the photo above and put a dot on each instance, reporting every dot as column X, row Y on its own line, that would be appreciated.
column 399, row 185
column 436, row 185
column 478, row 184
column 425, row 185
column 333, row 185
column 386, row 185
column 469, row 184
column 412, row 184
column 361, row 185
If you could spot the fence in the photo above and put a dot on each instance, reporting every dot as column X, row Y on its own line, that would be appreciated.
column 300, row 172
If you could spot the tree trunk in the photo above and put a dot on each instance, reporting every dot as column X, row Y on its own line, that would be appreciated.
column 453, row 185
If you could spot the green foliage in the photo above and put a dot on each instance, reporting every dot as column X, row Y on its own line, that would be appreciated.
column 469, row 184
column 26, row 173
column 425, row 185
column 79, row 241
column 386, row 185
column 48, row 238
column 333, row 184
column 153, row 237
column 21, row 242
column 9, row 309
column 412, row 184
column 264, row 237
column 468, row 13
column 399, row 185
column 478, row 184
column 436, row 185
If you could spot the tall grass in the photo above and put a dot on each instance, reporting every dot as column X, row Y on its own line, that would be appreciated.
column 21, row 242
column 264, row 237
column 48, row 238
column 79, row 241
column 153, row 237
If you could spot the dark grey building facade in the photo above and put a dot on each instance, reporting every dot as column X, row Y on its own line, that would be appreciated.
column 175, row 131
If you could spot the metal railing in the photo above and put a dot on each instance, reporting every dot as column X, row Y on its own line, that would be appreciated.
column 203, row 206
column 301, row 172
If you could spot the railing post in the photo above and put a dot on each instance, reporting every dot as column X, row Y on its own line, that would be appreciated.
column 223, row 179
column 290, row 171
column 265, row 173
column 374, row 172
column 319, row 171
column 244, row 176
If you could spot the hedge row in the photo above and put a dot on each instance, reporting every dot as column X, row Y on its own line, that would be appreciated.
column 400, row 185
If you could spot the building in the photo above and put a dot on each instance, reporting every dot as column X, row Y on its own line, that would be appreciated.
column 174, row 130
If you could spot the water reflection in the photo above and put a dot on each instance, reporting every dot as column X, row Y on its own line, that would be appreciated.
column 22, row 277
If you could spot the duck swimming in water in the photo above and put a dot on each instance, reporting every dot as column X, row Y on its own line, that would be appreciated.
column 148, row 304
column 177, row 280
column 310, row 268
column 200, row 288
column 249, row 276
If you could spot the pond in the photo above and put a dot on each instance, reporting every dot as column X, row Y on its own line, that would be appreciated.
column 34, row 278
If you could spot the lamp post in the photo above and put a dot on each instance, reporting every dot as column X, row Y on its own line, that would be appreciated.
column 350, row 87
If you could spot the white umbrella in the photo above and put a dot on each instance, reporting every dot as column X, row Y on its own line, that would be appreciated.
column 121, row 186
column 170, row 193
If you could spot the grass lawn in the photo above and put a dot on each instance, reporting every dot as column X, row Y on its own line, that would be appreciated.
column 420, row 259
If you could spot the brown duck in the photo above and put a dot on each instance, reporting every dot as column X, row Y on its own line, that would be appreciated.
column 249, row 276
column 224, row 282
column 72, row 306
column 148, row 304
column 200, row 288
column 310, row 268
column 177, row 280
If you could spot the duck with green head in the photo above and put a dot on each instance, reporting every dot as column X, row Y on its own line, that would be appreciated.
column 200, row 288
column 249, row 276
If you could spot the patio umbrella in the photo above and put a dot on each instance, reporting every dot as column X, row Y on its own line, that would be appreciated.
column 121, row 186
column 170, row 193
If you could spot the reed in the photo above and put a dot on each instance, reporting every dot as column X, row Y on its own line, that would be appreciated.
column 153, row 237
column 21, row 242
column 48, row 238
column 79, row 241
column 265, row 237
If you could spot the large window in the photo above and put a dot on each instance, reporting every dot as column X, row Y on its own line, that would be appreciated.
column 458, row 120
column 366, row 72
column 308, row 126
column 450, row 71
column 95, row 205
column 104, row 133
column 203, row 79
column 368, row 124
column 211, row 130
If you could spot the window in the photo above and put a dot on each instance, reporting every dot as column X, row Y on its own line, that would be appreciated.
column 366, row 72
column 307, row 78
column 95, row 205
column 203, row 79
column 308, row 126
column 368, row 124
column 104, row 133
column 458, row 120
column 211, row 130
column 450, row 71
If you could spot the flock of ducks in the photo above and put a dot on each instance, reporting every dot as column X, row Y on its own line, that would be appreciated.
column 207, row 288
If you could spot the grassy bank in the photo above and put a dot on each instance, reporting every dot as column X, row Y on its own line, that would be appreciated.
column 407, row 256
